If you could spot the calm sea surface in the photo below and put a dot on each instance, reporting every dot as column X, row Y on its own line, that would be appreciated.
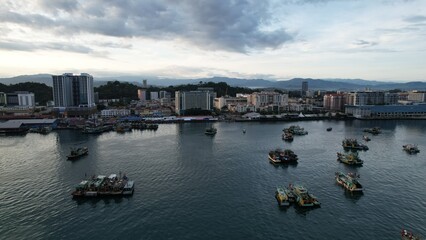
column 193, row 186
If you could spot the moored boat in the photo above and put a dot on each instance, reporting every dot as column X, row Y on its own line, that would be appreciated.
column 295, row 130
column 411, row 148
column 282, row 197
column 407, row 235
column 349, row 181
column 282, row 156
column 303, row 197
column 352, row 144
column 287, row 137
column 366, row 138
column 210, row 131
column 77, row 152
column 374, row 130
column 100, row 185
column 350, row 158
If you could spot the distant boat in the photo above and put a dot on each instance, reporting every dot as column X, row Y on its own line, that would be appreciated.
column 374, row 130
column 244, row 131
column 366, row 138
column 77, row 152
column 329, row 129
column 210, row 131
column 287, row 137
column 411, row 148
column 352, row 144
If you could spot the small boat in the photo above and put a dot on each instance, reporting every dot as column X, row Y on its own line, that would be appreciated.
column 366, row 138
column 295, row 130
column 104, row 186
column 210, row 131
column 282, row 197
column 352, row 144
column 374, row 130
column 41, row 130
column 350, row 158
column 407, row 235
column 77, row 152
column 244, row 131
column 303, row 197
column 282, row 156
column 287, row 137
column 349, row 181
column 411, row 148
column 329, row 129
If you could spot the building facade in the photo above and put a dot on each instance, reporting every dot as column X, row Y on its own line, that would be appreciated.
column 334, row 102
column 202, row 99
column 71, row 90
column 264, row 99
column 417, row 96
column 387, row 111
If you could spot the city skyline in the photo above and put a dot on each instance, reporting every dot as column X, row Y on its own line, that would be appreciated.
column 274, row 40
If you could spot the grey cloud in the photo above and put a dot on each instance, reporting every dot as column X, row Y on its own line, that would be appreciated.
column 215, row 25
column 31, row 46
column 415, row 19
column 59, row 5
column 364, row 43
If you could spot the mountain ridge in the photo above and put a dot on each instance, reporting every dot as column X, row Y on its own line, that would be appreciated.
column 291, row 84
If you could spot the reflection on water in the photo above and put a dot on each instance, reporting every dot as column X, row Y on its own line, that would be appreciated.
column 193, row 186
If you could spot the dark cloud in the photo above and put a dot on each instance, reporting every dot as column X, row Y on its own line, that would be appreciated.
column 215, row 25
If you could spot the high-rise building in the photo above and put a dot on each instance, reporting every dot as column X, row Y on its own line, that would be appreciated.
column 73, row 90
column 3, row 99
column 154, row 95
column 142, row 94
column 304, row 88
column 201, row 99
column 20, row 98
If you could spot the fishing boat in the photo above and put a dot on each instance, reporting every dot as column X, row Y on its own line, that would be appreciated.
column 303, row 197
column 282, row 197
column 352, row 144
column 349, row 181
column 350, row 158
column 295, row 130
column 210, row 131
column 101, row 185
column 77, row 152
column 411, row 148
column 366, row 138
column 407, row 235
column 329, row 129
column 287, row 137
column 282, row 156
column 374, row 130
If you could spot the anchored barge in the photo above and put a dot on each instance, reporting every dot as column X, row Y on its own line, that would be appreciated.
column 104, row 186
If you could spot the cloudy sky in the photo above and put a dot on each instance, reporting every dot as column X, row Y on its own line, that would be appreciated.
column 277, row 39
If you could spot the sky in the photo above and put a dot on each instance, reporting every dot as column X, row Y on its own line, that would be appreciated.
column 381, row 40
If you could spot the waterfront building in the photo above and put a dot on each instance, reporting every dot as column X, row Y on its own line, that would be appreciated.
column 300, row 107
column 3, row 99
column 19, row 98
column 115, row 112
column 71, row 90
column 335, row 102
column 371, row 98
column 262, row 100
column 417, row 96
column 387, row 111
column 225, row 101
column 202, row 99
